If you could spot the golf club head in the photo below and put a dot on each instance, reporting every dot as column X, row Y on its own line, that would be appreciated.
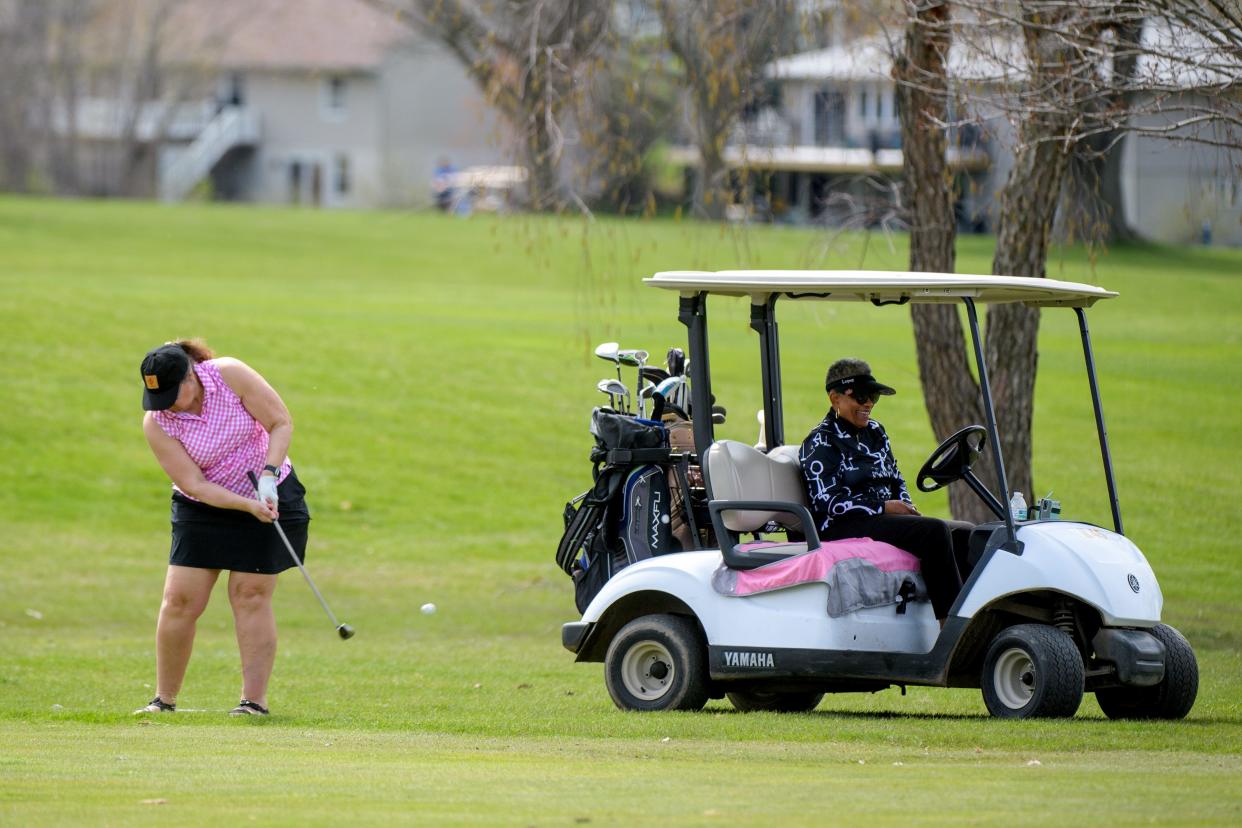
column 650, row 373
column 614, row 387
column 345, row 631
column 675, row 361
column 635, row 357
column 718, row 418
column 667, row 385
column 608, row 351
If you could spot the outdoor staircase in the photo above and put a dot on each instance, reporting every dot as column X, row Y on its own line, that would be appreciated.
column 232, row 126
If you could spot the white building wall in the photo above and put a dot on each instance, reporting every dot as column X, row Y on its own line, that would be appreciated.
column 1176, row 191
column 429, row 109
column 338, row 145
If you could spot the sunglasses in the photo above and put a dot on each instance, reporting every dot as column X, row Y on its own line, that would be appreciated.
column 863, row 397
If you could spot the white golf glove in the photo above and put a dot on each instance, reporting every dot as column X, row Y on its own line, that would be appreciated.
column 267, row 490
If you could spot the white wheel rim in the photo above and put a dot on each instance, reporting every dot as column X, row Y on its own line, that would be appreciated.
column 647, row 670
column 1014, row 678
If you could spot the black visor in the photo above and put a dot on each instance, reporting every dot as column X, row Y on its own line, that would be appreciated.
column 860, row 383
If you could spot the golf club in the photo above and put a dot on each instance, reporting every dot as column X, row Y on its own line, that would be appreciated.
column 343, row 630
column 606, row 386
column 608, row 352
column 617, row 390
column 636, row 358
column 653, row 374
column 675, row 361
column 675, row 388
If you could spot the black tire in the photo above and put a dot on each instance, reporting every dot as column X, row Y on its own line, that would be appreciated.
column 657, row 662
column 1032, row 671
column 752, row 701
column 1172, row 698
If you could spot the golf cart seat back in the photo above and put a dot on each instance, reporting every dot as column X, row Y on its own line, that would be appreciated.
column 749, row 490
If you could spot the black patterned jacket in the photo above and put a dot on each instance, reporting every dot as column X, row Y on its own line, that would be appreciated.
column 849, row 470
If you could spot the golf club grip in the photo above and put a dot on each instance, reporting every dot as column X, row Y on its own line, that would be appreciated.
column 254, row 481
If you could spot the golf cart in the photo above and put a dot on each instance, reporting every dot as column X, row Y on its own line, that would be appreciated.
column 1049, row 609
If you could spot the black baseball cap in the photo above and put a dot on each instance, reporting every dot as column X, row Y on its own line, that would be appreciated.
column 162, row 371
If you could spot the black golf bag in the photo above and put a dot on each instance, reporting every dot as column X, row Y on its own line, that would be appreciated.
column 626, row 516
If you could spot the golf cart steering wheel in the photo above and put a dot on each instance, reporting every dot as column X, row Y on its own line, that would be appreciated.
column 952, row 459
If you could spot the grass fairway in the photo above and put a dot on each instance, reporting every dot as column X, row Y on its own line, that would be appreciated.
column 439, row 377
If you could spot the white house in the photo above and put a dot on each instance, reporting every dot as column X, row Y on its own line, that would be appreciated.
column 329, row 103
column 836, row 122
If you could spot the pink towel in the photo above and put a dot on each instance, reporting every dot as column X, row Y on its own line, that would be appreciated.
column 815, row 566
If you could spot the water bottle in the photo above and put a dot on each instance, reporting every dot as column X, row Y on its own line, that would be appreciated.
column 1017, row 507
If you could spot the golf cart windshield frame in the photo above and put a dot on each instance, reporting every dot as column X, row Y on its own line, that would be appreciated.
column 764, row 288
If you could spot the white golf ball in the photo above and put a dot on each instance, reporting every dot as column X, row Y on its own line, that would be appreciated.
column 428, row 609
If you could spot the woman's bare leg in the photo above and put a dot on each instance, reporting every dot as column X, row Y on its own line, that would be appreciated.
column 186, row 592
column 250, row 595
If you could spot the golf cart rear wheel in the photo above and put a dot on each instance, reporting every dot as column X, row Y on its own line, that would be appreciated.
column 1032, row 671
column 1172, row 698
column 657, row 662
column 789, row 702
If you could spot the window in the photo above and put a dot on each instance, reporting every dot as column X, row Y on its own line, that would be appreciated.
column 233, row 89
column 334, row 97
column 342, row 175
column 862, row 103
column 829, row 118
column 295, row 183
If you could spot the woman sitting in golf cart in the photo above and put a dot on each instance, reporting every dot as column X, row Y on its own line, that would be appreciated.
column 856, row 491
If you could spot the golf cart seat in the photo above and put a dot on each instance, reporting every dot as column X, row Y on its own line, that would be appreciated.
column 749, row 490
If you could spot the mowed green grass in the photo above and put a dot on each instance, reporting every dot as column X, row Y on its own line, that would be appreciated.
column 439, row 375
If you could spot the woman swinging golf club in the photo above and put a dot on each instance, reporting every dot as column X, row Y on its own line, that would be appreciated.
column 210, row 422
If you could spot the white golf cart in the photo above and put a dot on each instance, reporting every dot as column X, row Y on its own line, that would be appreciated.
column 1049, row 608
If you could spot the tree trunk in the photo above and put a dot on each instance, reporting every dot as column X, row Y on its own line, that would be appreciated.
column 542, row 155
column 710, row 188
column 950, row 393
column 1027, row 209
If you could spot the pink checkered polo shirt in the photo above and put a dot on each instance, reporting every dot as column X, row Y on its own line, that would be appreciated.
column 224, row 440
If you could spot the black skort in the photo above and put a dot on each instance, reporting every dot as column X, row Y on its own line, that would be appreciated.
column 207, row 537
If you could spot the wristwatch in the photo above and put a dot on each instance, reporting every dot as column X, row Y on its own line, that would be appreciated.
column 275, row 470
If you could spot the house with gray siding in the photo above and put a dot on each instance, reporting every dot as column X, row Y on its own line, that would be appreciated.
column 324, row 103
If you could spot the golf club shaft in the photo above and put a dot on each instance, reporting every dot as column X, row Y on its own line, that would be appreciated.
column 254, row 480
column 305, row 574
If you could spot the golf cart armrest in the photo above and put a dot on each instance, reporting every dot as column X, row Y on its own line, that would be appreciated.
column 729, row 539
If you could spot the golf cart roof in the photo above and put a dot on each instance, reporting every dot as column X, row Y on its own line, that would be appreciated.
column 881, row 286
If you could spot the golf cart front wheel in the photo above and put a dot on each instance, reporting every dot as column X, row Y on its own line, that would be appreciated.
column 657, row 662
column 1032, row 671
column 1172, row 698
column 753, row 701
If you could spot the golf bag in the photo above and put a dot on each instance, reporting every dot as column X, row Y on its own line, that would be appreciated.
column 626, row 516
